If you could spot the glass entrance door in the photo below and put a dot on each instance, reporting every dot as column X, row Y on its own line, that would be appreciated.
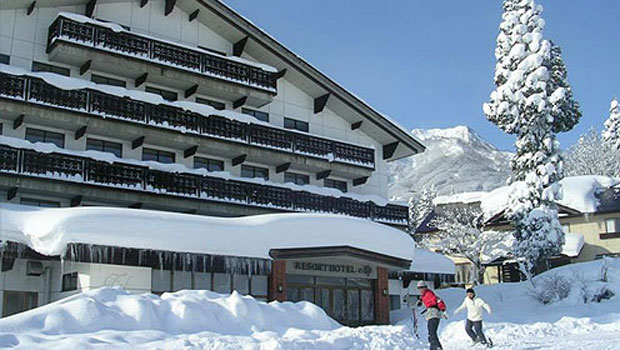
column 347, row 300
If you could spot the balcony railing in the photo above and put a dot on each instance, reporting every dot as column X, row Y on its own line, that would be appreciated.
column 101, row 37
column 101, row 104
column 134, row 177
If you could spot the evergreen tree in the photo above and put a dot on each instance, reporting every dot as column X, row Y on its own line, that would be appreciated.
column 611, row 134
column 533, row 101
column 420, row 205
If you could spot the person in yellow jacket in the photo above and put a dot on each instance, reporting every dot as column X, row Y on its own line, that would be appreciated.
column 473, row 325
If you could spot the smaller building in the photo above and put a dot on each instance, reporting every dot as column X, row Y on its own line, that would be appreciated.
column 589, row 213
column 341, row 264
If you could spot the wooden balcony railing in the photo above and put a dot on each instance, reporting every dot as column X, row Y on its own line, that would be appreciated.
column 101, row 104
column 182, row 57
column 73, row 168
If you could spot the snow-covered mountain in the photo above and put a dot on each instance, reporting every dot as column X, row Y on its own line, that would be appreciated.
column 456, row 160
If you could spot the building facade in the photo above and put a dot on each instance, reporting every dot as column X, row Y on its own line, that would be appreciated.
column 181, row 106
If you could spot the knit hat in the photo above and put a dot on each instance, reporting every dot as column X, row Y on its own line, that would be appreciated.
column 470, row 290
column 421, row 284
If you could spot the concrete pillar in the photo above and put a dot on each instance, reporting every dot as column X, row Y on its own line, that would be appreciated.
column 277, row 281
column 382, row 301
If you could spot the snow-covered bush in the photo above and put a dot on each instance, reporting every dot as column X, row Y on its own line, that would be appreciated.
column 551, row 288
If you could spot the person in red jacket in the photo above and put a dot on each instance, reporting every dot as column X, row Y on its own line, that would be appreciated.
column 434, row 310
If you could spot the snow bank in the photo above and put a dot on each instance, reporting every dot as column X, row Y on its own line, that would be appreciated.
column 430, row 262
column 189, row 311
column 578, row 193
column 49, row 230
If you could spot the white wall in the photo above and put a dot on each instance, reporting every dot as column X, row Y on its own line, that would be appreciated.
column 24, row 39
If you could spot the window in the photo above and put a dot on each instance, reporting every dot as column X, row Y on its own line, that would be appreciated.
column 254, row 171
column 612, row 225
column 98, row 79
column 157, row 155
column 167, row 95
column 70, row 281
column 36, row 135
column 39, row 202
column 295, row 124
column 5, row 59
column 215, row 104
column 337, row 184
column 104, row 146
column 299, row 179
column 209, row 164
column 256, row 114
column 16, row 302
column 45, row 67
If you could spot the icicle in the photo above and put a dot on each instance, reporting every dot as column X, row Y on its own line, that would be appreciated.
column 204, row 263
column 124, row 256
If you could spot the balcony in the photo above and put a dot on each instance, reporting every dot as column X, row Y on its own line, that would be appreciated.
column 131, row 55
column 99, row 104
column 68, row 167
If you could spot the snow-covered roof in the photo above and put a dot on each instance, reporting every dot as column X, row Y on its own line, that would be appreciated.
column 49, row 230
column 579, row 193
column 573, row 244
column 430, row 262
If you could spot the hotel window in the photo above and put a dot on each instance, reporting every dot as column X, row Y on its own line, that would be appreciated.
column 104, row 146
column 98, row 79
column 37, row 135
column 612, row 225
column 299, row 179
column 45, row 67
column 39, row 203
column 5, row 59
column 157, row 155
column 167, row 95
column 254, row 172
column 215, row 104
column 256, row 114
column 295, row 124
column 337, row 184
column 209, row 164
column 69, row 281
column 16, row 302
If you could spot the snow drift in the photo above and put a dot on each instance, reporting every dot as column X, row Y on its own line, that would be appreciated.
column 174, row 313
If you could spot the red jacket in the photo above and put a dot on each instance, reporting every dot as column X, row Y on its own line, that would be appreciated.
column 430, row 300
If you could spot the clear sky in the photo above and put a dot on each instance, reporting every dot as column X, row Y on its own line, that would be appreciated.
column 430, row 64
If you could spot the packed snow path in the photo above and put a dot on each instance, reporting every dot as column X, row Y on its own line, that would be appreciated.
column 110, row 318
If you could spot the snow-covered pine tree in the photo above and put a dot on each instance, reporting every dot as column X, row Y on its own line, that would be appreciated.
column 420, row 205
column 611, row 134
column 591, row 155
column 532, row 100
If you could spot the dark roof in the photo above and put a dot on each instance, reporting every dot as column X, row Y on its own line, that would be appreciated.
column 426, row 225
column 609, row 200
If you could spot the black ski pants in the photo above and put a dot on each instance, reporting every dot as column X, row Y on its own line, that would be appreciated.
column 474, row 330
column 432, row 325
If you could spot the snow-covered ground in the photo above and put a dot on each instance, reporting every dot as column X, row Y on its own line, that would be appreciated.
column 195, row 320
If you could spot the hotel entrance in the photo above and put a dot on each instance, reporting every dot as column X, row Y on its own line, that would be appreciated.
column 349, row 301
column 350, row 284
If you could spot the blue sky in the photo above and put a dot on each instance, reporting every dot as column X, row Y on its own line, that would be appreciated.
column 430, row 64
